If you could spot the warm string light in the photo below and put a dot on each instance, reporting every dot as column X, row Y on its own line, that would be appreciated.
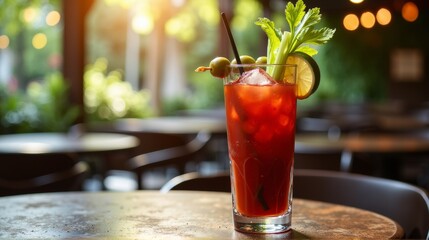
column 383, row 17
column 410, row 12
column 367, row 20
column 351, row 22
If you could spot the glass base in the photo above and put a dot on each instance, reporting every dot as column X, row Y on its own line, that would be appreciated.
column 278, row 224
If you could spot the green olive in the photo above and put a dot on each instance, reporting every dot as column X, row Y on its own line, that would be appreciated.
column 219, row 67
column 261, row 60
column 245, row 59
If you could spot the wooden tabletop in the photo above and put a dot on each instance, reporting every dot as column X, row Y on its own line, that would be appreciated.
column 173, row 215
column 50, row 143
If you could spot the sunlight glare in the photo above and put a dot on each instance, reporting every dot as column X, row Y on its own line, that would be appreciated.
column 142, row 23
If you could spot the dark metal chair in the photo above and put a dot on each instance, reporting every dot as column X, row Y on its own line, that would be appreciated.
column 177, row 156
column 219, row 182
column 156, row 150
column 406, row 204
column 149, row 141
column 46, row 173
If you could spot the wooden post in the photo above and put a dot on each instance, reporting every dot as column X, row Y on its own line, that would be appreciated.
column 74, row 12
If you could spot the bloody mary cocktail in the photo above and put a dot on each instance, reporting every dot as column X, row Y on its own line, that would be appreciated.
column 261, row 132
column 260, row 102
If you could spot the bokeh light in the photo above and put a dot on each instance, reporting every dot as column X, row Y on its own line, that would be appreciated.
column 410, row 11
column 142, row 23
column 367, row 20
column 29, row 14
column 356, row 1
column 182, row 27
column 39, row 41
column 4, row 41
column 384, row 16
column 53, row 18
column 351, row 22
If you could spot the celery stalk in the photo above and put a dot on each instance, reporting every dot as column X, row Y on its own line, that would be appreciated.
column 281, row 57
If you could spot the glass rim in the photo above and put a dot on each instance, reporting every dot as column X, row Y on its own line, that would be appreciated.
column 260, row 65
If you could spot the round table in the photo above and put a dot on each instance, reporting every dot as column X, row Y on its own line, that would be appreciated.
column 172, row 215
column 170, row 124
column 363, row 143
column 54, row 143
column 382, row 144
column 386, row 143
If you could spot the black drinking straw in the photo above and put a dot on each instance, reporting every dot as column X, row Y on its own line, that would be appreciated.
column 231, row 39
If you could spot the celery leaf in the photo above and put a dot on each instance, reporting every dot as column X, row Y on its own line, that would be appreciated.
column 274, row 36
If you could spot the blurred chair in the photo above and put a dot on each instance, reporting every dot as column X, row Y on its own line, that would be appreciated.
column 44, row 173
column 321, row 151
column 117, row 166
column 177, row 156
column 219, row 182
column 402, row 202
column 322, row 160
column 149, row 140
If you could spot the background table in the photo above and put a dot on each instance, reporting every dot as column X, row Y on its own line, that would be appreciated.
column 54, row 143
column 170, row 125
column 94, row 148
column 177, row 214
column 382, row 144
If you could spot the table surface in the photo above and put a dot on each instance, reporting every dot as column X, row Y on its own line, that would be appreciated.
column 49, row 143
column 172, row 215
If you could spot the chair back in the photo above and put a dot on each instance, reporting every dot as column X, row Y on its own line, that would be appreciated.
column 149, row 141
column 177, row 156
column 64, row 179
column 329, row 160
column 406, row 204
column 219, row 182
column 402, row 202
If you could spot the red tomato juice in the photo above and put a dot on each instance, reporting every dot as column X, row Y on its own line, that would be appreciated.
column 261, row 137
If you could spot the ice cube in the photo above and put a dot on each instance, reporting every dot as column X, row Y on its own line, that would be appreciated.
column 256, row 77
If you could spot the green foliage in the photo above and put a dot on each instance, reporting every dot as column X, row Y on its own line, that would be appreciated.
column 52, row 103
column 353, row 71
column 16, row 114
column 39, row 62
column 43, row 107
column 108, row 97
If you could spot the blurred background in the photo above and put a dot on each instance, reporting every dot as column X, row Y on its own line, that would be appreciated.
column 63, row 62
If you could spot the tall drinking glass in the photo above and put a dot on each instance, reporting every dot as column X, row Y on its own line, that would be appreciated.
column 261, row 118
